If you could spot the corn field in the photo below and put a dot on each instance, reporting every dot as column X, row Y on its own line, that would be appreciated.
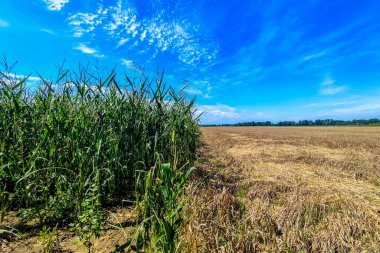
column 70, row 145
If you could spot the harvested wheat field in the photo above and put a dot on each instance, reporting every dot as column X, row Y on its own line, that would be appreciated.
column 286, row 189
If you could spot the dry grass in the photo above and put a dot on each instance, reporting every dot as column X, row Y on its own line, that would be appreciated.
column 303, row 189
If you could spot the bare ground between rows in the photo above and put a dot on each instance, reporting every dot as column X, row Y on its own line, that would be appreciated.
column 119, row 228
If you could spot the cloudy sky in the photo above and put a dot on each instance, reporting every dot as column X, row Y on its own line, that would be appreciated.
column 245, row 60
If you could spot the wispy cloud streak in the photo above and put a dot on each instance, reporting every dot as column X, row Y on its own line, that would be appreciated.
column 122, row 22
column 88, row 50
column 328, row 87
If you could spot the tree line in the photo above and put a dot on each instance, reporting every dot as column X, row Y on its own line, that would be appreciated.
column 318, row 122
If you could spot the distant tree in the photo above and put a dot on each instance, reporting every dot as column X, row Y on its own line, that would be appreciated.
column 318, row 122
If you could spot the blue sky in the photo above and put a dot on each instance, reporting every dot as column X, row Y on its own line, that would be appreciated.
column 245, row 60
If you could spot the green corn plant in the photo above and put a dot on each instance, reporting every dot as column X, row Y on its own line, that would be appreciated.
column 159, row 215
column 48, row 238
column 159, row 204
column 69, row 144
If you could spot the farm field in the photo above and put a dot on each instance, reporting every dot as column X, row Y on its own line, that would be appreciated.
column 278, row 189
column 262, row 189
column 189, row 126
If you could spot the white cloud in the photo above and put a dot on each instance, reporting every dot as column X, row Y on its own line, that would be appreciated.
column 84, row 49
column 4, row 23
column 349, row 107
column 30, row 78
column 14, row 79
column 128, row 63
column 328, row 88
column 143, row 35
column 313, row 56
column 55, row 5
column 176, row 36
column 47, row 31
column 332, row 90
column 121, row 19
column 327, row 81
column 336, row 103
column 122, row 42
column 83, row 23
column 216, row 113
column 355, row 111
column 88, row 50
column 193, row 91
